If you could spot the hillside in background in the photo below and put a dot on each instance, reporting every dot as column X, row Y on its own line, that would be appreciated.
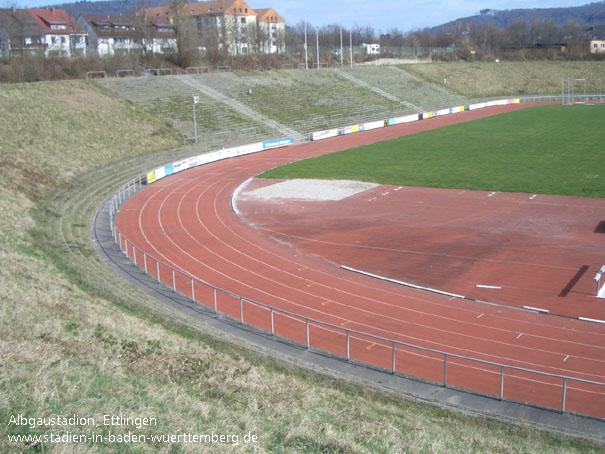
column 124, row 7
column 591, row 15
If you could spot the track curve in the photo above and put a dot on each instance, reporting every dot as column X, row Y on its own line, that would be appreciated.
column 186, row 221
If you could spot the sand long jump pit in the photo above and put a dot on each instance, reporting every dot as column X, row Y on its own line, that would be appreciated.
column 517, row 250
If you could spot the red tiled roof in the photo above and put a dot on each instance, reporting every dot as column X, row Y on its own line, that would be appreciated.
column 269, row 15
column 210, row 8
column 47, row 18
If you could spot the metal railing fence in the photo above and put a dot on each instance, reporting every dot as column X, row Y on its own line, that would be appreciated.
column 588, row 397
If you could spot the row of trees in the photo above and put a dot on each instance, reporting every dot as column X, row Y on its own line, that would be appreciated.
column 489, row 41
column 462, row 39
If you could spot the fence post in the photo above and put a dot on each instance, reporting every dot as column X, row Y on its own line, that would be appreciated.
column 157, row 269
column 393, row 363
column 272, row 324
column 215, row 310
column 564, row 394
column 241, row 310
column 173, row 281
column 307, row 327
column 348, row 335
column 501, row 382
column 192, row 291
column 145, row 262
column 445, row 370
column 134, row 254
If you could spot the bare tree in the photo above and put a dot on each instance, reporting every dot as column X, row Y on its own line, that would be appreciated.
column 187, row 39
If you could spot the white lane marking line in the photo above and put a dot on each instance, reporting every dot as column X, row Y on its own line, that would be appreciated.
column 520, row 334
column 594, row 320
column 407, row 284
column 480, row 315
column 533, row 197
column 566, row 358
column 490, row 195
column 536, row 309
column 386, row 193
column 398, row 189
column 493, row 287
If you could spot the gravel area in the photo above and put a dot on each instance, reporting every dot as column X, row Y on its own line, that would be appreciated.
column 310, row 189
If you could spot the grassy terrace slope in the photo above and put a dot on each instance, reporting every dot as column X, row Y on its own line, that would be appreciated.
column 68, row 345
column 483, row 80
column 548, row 150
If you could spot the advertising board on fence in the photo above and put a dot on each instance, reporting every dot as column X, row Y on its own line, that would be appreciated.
column 277, row 143
column 329, row 133
column 214, row 156
column 319, row 135
column 499, row 102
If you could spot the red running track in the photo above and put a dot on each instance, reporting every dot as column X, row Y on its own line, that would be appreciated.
column 186, row 221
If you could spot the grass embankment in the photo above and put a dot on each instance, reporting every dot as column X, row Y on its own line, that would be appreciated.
column 67, row 350
column 546, row 150
column 485, row 80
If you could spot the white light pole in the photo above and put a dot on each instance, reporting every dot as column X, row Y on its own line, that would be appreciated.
column 306, row 59
column 317, row 44
column 341, row 56
column 196, row 99
column 351, row 46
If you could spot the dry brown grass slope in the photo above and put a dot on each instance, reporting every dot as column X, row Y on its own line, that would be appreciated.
column 66, row 349
column 485, row 80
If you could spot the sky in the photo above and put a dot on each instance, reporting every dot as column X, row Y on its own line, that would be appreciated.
column 382, row 15
column 385, row 15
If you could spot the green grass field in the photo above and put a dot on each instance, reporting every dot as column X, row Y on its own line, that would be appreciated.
column 547, row 150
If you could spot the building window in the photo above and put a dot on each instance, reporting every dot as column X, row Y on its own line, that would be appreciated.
column 595, row 45
column 243, row 20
